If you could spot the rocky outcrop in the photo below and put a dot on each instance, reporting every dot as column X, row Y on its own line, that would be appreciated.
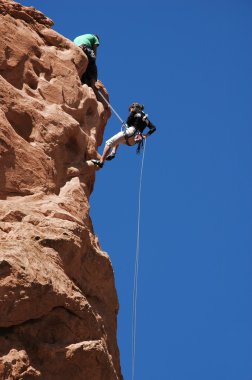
column 58, row 303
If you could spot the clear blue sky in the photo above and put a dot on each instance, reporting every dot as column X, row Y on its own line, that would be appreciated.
column 190, row 63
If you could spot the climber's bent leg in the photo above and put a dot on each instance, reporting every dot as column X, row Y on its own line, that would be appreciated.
column 119, row 138
column 116, row 140
column 113, row 143
column 112, row 154
column 105, row 153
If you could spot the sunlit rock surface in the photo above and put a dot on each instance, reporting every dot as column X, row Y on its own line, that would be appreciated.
column 58, row 303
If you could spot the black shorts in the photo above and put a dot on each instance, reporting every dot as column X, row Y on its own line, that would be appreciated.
column 91, row 73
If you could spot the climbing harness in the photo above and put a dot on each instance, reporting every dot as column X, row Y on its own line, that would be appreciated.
column 135, row 138
column 135, row 289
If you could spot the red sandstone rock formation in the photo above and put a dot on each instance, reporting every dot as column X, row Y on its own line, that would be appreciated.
column 58, row 303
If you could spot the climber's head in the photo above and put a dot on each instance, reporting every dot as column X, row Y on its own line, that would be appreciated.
column 136, row 106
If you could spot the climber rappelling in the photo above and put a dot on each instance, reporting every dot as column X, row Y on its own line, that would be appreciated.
column 131, row 134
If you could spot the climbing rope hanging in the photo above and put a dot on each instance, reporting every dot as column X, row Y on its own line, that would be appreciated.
column 135, row 289
column 103, row 97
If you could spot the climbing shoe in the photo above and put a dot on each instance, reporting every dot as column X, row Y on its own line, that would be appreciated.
column 97, row 163
column 110, row 157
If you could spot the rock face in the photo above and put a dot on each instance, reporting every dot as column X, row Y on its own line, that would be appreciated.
column 58, row 303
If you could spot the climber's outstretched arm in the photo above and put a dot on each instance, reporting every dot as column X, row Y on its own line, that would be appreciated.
column 151, row 127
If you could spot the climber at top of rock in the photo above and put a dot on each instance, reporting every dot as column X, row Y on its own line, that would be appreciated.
column 136, row 122
column 89, row 44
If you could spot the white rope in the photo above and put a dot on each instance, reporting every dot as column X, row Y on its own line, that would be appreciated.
column 121, row 120
column 135, row 290
column 134, row 311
